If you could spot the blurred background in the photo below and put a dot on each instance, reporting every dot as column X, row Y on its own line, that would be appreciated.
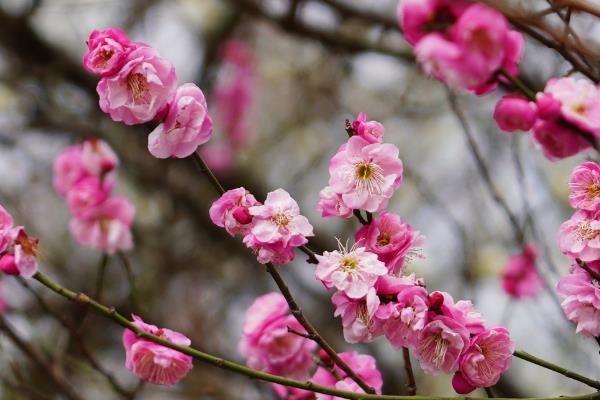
column 305, row 66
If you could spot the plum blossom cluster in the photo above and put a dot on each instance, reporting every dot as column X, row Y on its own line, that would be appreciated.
column 271, row 229
column 272, row 341
column 462, row 43
column 85, row 175
column 520, row 278
column 138, row 86
column 579, row 239
column 153, row 362
column 18, row 250
column 372, row 295
column 234, row 94
column 364, row 173
column 563, row 119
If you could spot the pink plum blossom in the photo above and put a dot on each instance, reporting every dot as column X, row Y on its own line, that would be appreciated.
column 352, row 271
column 365, row 174
column 514, row 113
column 187, row 125
column 6, row 224
column 440, row 344
column 276, row 253
column 231, row 211
column 557, row 140
column 579, row 236
column 20, row 258
column 443, row 59
column 107, row 226
column 580, row 101
column 98, row 157
column 391, row 238
column 68, row 169
column 584, row 186
column 462, row 311
column 140, row 89
column 357, row 316
column 86, row 195
column 548, row 107
column 107, row 50
column 520, row 277
column 364, row 366
column 371, row 131
column 489, row 354
column 581, row 299
column 268, row 345
column 406, row 317
column 153, row 362
column 331, row 204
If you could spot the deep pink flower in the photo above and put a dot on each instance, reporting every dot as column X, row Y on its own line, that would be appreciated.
column 68, row 169
column 406, row 317
column 140, row 89
column 107, row 226
column 440, row 344
column 153, row 362
column 267, row 344
column 581, row 299
column 187, row 125
column 86, row 195
column 513, row 52
column 520, row 277
column 489, row 354
column 371, row 131
column 107, row 50
column 231, row 211
column 390, row 238
column 579, row 236
column 580, row 101
column 279, row 220
column 365, row 174
column 357, row 316
column 584, row 186
column 352, row 271
column 6, row 224
column 514, row 113
column 557, row 140
column 548, row 107
column 364, row 366
column 463, row 312
column 444, row 60
column 331, row 204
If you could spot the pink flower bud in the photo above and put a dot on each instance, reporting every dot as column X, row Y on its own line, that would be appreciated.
column 325, row 358
column 460, row 385
column 514, row 113
column 242, row 215
column 436, row 300
column 8, row 265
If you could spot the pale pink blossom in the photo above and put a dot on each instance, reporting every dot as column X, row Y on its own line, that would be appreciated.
column 278, row 220
column 98, row 157
column 364, row 366
column 371, row 131
column 140, row 89
column 186, row 126
column 268, row 345
column 581, row 299
column 331, row 204
column 107, row 50
column 520, row 277
column 580, row 101
column 440, row 344
column 514, row 113
column 68, row 169
column 153, row 362
column 391, row 238
column 489, row 354
column 20, row 258
column 276, row 253
column 579, row 236
column 557, row 140
column 584, row 186
column 444, row 60
column 353, row 271
column 357, row 316
column 106, row 226
column 365, row 174
column 406, row 317
column 231, row 211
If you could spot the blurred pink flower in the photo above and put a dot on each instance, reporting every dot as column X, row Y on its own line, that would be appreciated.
column 357, row 316
column 580, row 101
column 98, row 157
column 584, row 186
column 231, row 211
column 86, row 195
column 153, row 362
column 365, row 174
column 6, row 224
column 187, row 125
column 440, row 344
column 557, row 140
column 107, row 50
column 353, row 271
column 371, row 131
column 514, row 113
column 581, row 299
column 106, row 226
column 140, row 90
column 520, row 277
column 331, row 204
column 268, row 345
column 219, row 156
column 579, row 236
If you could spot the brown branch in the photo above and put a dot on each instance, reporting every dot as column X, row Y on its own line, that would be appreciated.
column 412, row 383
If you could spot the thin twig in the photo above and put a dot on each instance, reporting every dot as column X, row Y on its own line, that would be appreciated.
column 410, row 375
column 583, row 265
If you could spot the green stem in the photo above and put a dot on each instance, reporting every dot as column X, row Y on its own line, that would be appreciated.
column 519, row 84
column 111, row 313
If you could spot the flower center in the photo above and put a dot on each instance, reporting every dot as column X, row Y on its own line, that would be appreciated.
column 578, row 108
column 28, row 245
column 593, row 190
column 383, row 239
column 137, row 85
column 363, row 314
column 349, row 264
column 436, row 347
column 282, row 219
column 105, row 56
column 586, row 232
column 368, row 177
